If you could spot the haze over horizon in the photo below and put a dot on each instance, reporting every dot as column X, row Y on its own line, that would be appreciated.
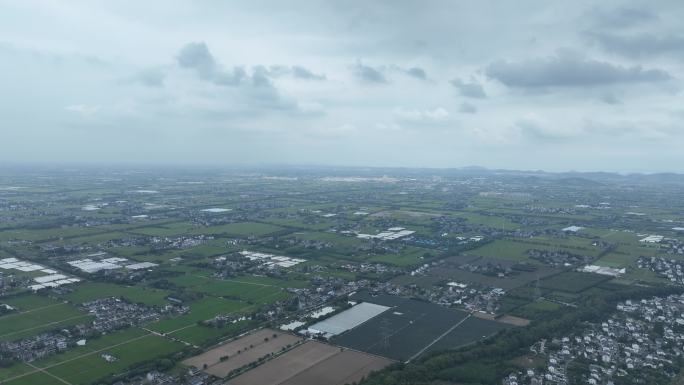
column 523, row 85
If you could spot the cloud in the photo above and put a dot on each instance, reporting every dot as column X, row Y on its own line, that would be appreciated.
column 638, row 45
column 471, row 89
column 367, row 74
column 624, row 17
column 205, row 102
column 539, row 129
column 417, row 73
column 252, row 93
column 299, row 72
column 151, row 77
column 296, row 71
column 421, row 116
column 377, row 75
column 467, row 108
column 611, row 99
column 196, row 57
column 569, row 71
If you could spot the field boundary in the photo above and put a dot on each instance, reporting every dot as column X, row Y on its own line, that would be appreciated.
column 421, row 351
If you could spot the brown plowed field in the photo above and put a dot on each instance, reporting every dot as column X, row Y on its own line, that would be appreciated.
column 313, row 363
column 347, row 367
column 240, row 353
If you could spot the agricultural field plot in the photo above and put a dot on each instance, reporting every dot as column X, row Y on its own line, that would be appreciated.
column 613, row 235
column 243, row 229
column 235, row 289
column 222, row 360
column 515, row 250
column 318, row 224
column 39, row 235
column 470, row 331
column 93, row 345
column 89, row 368
column 347, row 367
column 490, row 221
column 283, row 367
column 165, row 230
column 295, row 281
column 35, row 378
column 504, row 250
column 93, row 239
column 409, row 257
column 409, row 328
column 423, row 281
column 628, row 250
column 26, row 302
column 616, row 259
column 535, row 308
column 22, row 372
column 209, row 249
column 200, row 310
column 313, row 363
column 337, row 240
column 15, row 370
column 30, row 322
column 203, row 335
column 573, row 282
column 449, row 270
column 88, row 291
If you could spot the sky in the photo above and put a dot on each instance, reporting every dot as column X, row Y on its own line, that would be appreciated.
column 552, row 85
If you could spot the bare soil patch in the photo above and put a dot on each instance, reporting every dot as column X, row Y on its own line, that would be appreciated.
column 346, row 367
column 242, row 351
column 283, row 367
column 314, row 363
column 513, row 320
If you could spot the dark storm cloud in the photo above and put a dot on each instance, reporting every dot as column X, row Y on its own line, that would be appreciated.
column 638, row 45
column 471, row 89
column 569, row 71
column 367, row 74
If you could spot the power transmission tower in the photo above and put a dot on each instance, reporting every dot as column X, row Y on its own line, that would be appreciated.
column 537, row 291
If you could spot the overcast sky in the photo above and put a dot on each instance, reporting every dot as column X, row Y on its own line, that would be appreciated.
column 554, row 85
